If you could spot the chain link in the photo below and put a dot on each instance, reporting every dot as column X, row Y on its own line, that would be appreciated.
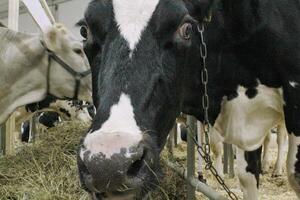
column 204, row 150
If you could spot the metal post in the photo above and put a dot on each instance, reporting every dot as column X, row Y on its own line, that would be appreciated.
column 199, row 137
column 13, row 23
column 2, row 140
column 225, row 168
column 175, row 134
column 200, row 187
column 13, row 14
column 191, row 121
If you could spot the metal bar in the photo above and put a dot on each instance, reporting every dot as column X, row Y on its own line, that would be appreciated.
column 48, row 11
column 199, row 137
column 2, row 140
column 191, row 195
column 225, row 168
column 199, row 186
column 3, row 13
column 175, row 135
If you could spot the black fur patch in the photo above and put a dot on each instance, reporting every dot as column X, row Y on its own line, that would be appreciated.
column 251, row 92
column 66, row 112
column 253, row 159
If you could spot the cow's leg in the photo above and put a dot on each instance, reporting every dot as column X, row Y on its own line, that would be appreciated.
column 266, row 154
column 217, row 149
column 249, row 168
column 293, row 163
column 281, row 142
column 292, row 121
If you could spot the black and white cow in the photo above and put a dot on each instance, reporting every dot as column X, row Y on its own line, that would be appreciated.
column 144, row 52
column 146, row 55
column 257, row 75
column 48, row 119
column 51, row 111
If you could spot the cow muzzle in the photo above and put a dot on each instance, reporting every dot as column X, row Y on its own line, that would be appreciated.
column 114, row 175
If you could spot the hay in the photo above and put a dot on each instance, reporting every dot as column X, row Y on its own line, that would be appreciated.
column 172, row 186
column 47, row 170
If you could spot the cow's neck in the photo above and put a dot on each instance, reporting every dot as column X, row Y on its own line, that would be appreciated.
column 23, row 82
column 243, row 18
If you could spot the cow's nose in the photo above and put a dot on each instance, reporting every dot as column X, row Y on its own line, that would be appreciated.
column 108, row 170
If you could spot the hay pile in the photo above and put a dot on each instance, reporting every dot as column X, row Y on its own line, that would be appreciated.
column 172, row 187
column 47, row 170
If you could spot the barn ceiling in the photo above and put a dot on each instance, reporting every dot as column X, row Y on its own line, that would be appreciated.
column 4, row 6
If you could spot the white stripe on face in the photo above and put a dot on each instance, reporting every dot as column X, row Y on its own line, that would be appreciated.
column 120, row 131
column 132, row 17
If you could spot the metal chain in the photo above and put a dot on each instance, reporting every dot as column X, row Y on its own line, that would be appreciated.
column 204, row 150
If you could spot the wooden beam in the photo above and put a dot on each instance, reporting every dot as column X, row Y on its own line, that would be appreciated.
column 13, row 23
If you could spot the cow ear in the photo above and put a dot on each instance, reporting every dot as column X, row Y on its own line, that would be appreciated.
column 52, row 38
column 199, row 9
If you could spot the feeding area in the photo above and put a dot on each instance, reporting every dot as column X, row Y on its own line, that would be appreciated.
column 47, row 170
column 149, row 100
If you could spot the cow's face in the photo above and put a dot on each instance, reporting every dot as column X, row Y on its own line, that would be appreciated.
column 143, row 52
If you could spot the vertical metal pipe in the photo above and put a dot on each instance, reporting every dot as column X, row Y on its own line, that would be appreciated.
column 199, row 136
column 225, row 168
column 191, row 195
column 2, row 139
column 13, row 14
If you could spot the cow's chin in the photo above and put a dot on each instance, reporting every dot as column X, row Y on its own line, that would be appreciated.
column 137, row 192
column 118, row 196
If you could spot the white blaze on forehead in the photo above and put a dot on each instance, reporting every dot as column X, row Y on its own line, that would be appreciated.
column 132, row 17
column 120, row 131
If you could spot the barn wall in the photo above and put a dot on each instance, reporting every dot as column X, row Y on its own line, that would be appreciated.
column 68, row 13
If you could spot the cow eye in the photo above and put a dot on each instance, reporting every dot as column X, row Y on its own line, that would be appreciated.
column 185, row 31
column 84, row 32
column 78, row 51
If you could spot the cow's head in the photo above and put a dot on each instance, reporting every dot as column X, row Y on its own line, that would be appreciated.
column 143, row 54
column 61, row 42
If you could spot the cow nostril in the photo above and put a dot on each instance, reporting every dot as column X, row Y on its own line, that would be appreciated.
column 137, row 165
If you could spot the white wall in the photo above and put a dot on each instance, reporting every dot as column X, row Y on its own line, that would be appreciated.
column 71, row 12
column 68, row 13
